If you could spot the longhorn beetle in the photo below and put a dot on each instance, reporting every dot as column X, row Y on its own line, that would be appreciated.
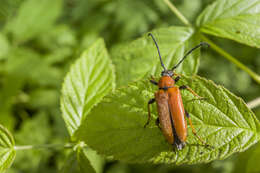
column 170, row 108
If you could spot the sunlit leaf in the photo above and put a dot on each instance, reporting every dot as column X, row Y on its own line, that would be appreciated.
column 89, row 80
column 7, row 152
column 139, row 58
column 115, row 126
column 237, row 20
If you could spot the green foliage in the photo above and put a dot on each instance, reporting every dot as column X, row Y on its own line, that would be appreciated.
column 39, row 39
column 83, row 160
column 237, row 20
column 223, row 120
column 33, row 158
column 7, row 152
column 253, row 161
column 71, row 164
column 89, row 79
column 4, row 46
column 141, row 54
column 84, row 164
column 34, row 17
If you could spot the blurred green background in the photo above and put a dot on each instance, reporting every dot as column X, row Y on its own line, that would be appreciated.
column 39, row 39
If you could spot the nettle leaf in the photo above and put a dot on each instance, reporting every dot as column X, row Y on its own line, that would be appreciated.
column 89, row 80
column 139, row 58
column 83, row 159
column 116, row 126
column 237, row 20
column 89, row 160
column 34, row 17
column 7, row 152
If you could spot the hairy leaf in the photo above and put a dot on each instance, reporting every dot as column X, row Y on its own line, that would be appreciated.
column 89, row 80
column 237, row 20
column 115, row 126
column 34, row 17
column 7, row 152
column 139, row 58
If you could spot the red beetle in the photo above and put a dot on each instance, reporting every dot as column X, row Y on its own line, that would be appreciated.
column 170, row 108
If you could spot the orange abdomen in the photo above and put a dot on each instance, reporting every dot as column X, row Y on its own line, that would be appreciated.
column 177, row 112
column 162, row 99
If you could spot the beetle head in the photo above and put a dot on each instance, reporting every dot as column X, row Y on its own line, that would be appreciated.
column 167, row 73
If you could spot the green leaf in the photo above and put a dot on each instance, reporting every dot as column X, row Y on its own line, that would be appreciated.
column 139, row 58
column 88, row 81
column 237, row 20
column 83, row 160
column 84, row 163
column 4, row 46
column 34, row 17
column 27, row 64
column 115, row 126
column 58, row 38
column 253, row 161
column 31, row 160
column 7, row 152
column 71, row 164
column 96, row 161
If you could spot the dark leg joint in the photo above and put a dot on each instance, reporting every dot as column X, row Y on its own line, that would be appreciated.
column 183, row 87
column 165, row 88
column 151, row 101
column 187, row 114
column 177, row 79
column 157, row 122
column 154, row 82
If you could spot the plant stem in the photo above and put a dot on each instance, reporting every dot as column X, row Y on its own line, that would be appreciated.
column 254, row 103
column 254, row 75
column 177, row 13
column 43, row 146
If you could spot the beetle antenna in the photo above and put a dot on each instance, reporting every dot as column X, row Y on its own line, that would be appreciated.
column 189, row 52
column 150, row 34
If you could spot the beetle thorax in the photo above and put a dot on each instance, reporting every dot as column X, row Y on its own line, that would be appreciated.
column 166, row 81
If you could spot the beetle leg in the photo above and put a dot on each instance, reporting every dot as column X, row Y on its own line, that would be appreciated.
column 194, row 131
column 157, row 122
column 177, row 79
column 178, row 76
column 191, row 91
column 149, row 112
column 154, row 82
